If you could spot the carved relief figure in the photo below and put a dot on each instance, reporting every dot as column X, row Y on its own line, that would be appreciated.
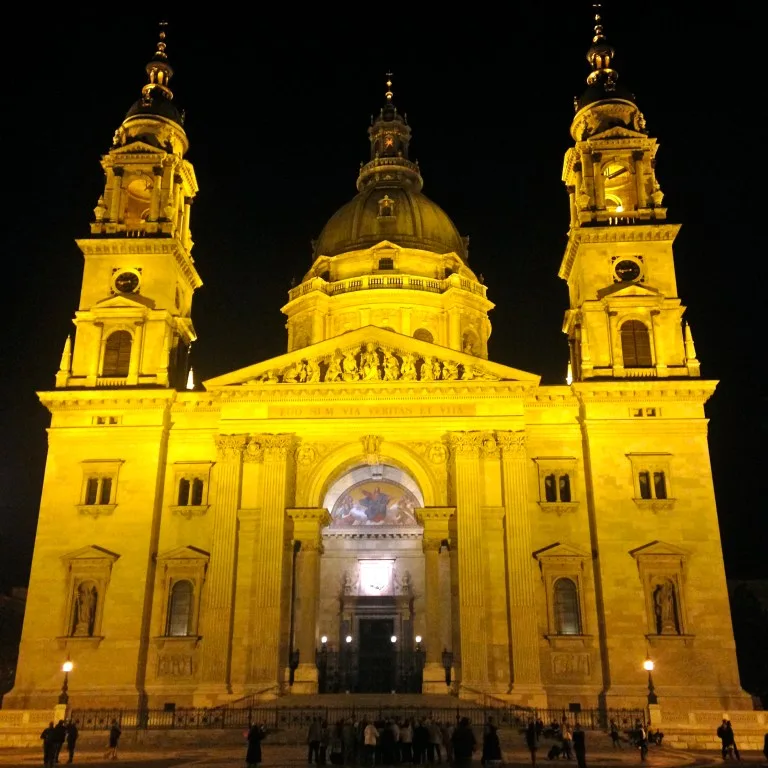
column 334, row 367
column 291, row 373
column 450, row 370
column 408, row 368
column 437, row 368
column 665, row 608
column 427, row 369
column 312, row 371
column 349, row 367
column 391, row 367
column 86, row 598
column 369, row 363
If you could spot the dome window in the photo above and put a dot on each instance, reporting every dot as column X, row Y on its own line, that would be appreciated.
column 386, row 263
column 386, row 206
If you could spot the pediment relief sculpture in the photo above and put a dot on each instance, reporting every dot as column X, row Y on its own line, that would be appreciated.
column 372, row 362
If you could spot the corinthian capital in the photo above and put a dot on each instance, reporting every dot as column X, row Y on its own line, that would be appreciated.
column 229, row 447
column 276, row 447
column 512, row 443
column 465, row 445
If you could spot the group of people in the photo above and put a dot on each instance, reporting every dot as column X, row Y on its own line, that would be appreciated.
column 567, row 741
column 396, row 741
column 54, row 737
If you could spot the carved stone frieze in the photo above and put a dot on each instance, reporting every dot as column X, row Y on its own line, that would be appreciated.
column 570, row 665
column 373, row 362
column 306, row 455
column 431, row 545
column 229, row 447
column 512, row 444
column 174, row 665
column 489, row 447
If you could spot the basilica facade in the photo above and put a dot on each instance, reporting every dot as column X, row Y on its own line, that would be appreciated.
column 382, row 507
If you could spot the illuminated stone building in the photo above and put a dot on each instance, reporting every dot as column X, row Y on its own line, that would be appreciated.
column 382, row 505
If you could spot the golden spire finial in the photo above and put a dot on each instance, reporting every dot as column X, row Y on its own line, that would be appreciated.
column 161, row 42
column 388, row 93
column 598, row 23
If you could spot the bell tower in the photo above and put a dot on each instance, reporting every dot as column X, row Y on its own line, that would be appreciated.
column 133, row 324
column 625, row 317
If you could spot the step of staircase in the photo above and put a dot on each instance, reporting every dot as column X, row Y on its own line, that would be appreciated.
column 368, row 700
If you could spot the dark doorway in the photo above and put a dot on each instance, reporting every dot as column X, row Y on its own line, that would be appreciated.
column 376, row 656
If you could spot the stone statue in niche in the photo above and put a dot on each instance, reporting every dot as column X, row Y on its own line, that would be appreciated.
column 334, row 372
column 369, row 363
column 391, row 367
column 86, row 598
column 408, row 368
column 665, row 609
column 349, row 367
column 346, row 583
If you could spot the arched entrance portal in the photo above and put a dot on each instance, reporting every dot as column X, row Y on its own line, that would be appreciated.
column 372, row 583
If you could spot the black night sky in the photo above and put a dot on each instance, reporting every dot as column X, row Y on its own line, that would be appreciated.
column 277, row 105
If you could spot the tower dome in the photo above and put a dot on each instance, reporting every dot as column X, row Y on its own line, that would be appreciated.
column 389, row 204
column 394, row 212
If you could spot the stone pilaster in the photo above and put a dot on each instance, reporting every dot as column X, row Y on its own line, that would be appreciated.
column 526, row 670
column 436, row 531
column 216, row 618
column 307, row 529
column 465, row 451
column 244, row 619
column 269, row 661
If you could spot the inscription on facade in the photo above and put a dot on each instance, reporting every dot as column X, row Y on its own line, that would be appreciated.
column 369, row 411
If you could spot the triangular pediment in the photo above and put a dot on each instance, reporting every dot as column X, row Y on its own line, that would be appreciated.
column 124, row 301
column 187, row 552
column 619, row 132
column 658, row 549
column 625, row 290
column 559, row 549
column 138, row 148
column 342, row 359
column 91, row 552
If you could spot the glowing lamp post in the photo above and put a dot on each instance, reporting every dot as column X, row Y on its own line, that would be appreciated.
column 66, row 668
column 648, row 665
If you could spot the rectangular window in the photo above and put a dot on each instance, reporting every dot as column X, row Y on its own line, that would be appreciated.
column 550, row 491
column 659, row 485
column 92, row 490
column 644, row 479
column 564, row 487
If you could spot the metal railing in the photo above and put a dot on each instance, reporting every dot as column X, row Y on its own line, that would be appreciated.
column 285, row 718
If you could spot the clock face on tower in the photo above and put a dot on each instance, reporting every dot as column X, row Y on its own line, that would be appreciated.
column 126, row 282
column 627, row 270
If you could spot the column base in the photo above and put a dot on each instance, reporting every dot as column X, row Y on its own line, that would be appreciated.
column 211, row 695
column 528, row 695
column 433, row 678
column 304, row 680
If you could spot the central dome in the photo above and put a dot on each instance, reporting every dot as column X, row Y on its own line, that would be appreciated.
column 397, row 213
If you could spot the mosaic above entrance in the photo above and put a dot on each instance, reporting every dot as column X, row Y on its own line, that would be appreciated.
column 374, row 503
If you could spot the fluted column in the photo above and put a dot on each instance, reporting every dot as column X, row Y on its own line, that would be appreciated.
column 269, row 658
column 465, row 450
column 526, row 671
column 436, row 531
column 216, row 617
column 307, row 530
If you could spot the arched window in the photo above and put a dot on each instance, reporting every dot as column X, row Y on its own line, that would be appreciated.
column 422, row 334
column 567, row 619
column 636, row 345
column 180, row 609
column 117, row 354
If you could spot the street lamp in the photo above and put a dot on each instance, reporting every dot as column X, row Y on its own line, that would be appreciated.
column 649, row 665
column 66, row 668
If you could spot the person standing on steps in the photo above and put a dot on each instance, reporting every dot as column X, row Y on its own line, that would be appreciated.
column 313, row 741
column 114, row 739
column 615, row 735
column 49, row 745
column 580, row 746
column 531, row 740
column 72, row 734
column 255, row 736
